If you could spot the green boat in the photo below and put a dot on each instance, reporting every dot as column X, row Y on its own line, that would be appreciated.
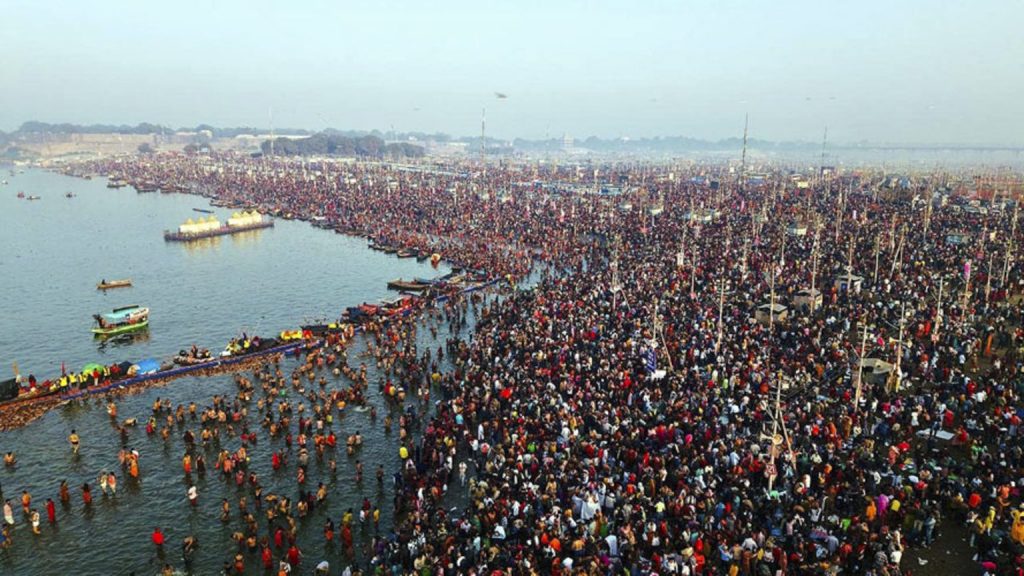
column 121, row 320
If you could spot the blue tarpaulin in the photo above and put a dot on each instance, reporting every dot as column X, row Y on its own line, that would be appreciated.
column 147, row 366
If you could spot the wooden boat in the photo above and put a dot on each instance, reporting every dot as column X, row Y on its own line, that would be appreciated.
column 106, row 285
column 406, row 253
column 203, row 210
column 69, row 195
column 369, row 309
column 188, row 358
column 407, row 285
column 399, row 305
column 121, row 320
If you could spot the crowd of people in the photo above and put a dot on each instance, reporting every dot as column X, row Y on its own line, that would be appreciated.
column 631, row 413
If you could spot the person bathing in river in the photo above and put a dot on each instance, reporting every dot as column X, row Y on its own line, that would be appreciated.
column 74, row 440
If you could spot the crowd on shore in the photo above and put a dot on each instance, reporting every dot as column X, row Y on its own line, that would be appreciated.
column 629, row 414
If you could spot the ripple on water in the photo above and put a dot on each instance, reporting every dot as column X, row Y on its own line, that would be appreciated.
column 204, row 295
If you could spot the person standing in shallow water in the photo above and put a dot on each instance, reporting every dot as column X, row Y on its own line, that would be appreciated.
column 8, row 512
column 74, row 440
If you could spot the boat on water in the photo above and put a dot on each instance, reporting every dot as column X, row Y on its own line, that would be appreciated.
column 369, row 309
column 107, row 284
column 21, row 194
column 193, row 357
column 116, row 183
column 209, row 226
column 399, row 305
column 203, row 210
column 121, row 320
column 406, row 253
column 69, row 195
column 143, row 187
column 33, row 197
column 408, row 285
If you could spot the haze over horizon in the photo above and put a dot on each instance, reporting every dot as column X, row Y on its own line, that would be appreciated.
column 923, row 72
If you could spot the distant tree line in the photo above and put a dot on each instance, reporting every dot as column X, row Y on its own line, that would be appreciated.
column 335, row 144
column 36, row 127
column 371, row 143
column 659, row 144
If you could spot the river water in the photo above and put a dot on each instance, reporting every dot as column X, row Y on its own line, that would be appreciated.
column 54, row 251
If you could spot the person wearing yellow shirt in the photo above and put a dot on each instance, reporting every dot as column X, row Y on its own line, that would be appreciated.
column 1017, row 529
column 74, row 440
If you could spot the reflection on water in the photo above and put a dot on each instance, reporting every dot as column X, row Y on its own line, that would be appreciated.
column 247, row 237
column 200, row 245
column 121, row 340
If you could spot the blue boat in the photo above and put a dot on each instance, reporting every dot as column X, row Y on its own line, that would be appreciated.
column 120, row 320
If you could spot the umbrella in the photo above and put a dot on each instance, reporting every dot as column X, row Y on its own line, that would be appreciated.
column 90, row 368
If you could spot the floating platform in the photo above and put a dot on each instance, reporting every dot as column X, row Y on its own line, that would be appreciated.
column 223, row 230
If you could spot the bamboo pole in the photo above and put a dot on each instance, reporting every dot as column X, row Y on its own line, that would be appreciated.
column 874, row 282
column 967, row 288
column 860, row 366
column 775, row 432
column 899, row 346
column 839, row 213
column 1009, row 244
column 898, row 255
column 721, row 308
column 988, row 279
column 814, row 269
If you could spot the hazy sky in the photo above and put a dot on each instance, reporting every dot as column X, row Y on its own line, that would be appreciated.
column 880, row 70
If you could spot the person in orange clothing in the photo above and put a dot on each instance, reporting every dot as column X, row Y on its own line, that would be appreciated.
column 871, row 511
